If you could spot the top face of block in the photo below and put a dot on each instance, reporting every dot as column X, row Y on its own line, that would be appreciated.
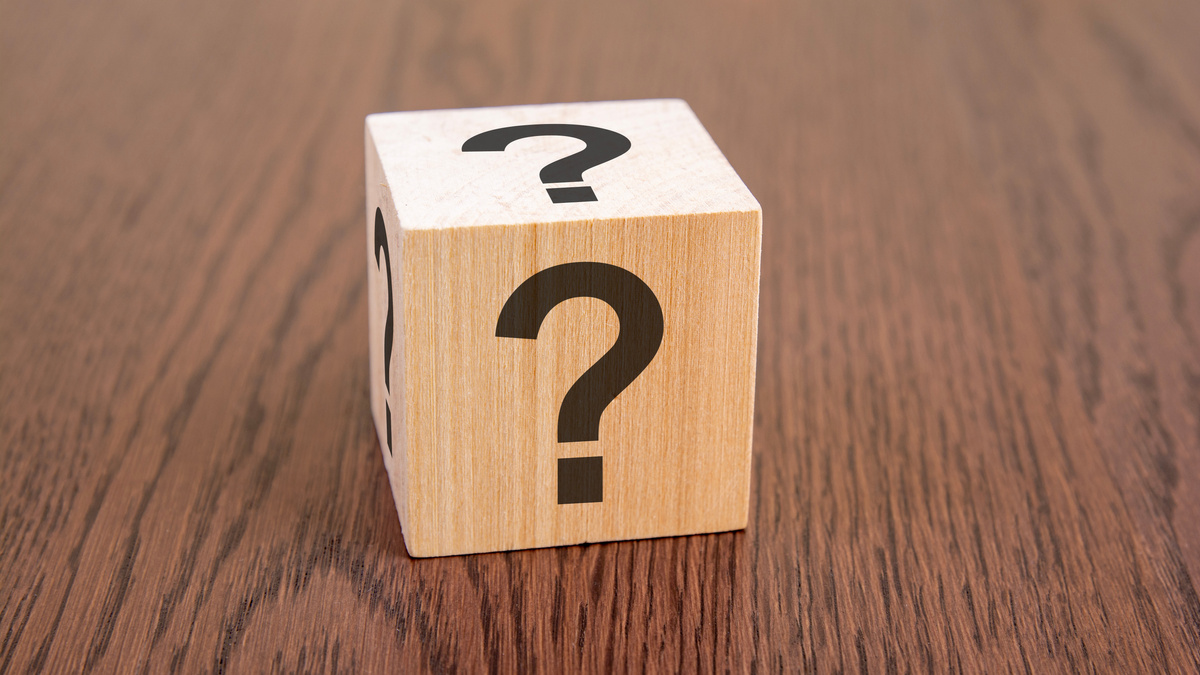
column 671, row 166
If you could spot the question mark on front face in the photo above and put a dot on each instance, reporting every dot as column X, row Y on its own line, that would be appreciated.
column 580, row 479
column 381, row 246
column 602, row 146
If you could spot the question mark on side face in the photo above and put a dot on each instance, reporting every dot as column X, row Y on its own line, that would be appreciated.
column 580, row 479
column 381, row 246
column 602, row 146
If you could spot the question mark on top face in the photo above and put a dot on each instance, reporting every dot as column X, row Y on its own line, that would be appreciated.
column 381, row 246
column 602, row 146
column 580, row 479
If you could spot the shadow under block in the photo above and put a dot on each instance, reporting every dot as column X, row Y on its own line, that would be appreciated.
column 468, row 415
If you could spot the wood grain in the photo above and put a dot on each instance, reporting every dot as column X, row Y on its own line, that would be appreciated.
column 470, row 418
column 977, row 440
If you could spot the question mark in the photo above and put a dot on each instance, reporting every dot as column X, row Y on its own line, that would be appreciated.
column 580, row 479
column 381, row 246
column 602, row 146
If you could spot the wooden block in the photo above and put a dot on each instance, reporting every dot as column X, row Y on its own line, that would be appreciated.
column 563, row 316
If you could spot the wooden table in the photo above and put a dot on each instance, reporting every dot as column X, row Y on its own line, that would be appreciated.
column 978, row 411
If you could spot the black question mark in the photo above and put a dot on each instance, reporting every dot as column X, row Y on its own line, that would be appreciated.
column 381, row 245
column 602, row 146
column 580, row 479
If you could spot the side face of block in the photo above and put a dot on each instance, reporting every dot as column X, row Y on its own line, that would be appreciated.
column 480, row 457
column 385, row 305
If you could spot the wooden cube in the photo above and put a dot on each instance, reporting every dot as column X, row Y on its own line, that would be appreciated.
column 563, row 307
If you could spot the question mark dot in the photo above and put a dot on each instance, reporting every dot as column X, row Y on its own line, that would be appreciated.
column 580, row 480
column 566, row 195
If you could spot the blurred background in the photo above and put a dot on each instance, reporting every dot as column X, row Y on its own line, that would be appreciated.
column 978, row 418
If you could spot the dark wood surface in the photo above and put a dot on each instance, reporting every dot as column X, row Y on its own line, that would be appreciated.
column 977, row 440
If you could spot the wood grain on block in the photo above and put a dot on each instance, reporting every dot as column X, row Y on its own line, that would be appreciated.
column 472, row 414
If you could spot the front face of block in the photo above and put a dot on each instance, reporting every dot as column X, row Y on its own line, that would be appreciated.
column 489, row 449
